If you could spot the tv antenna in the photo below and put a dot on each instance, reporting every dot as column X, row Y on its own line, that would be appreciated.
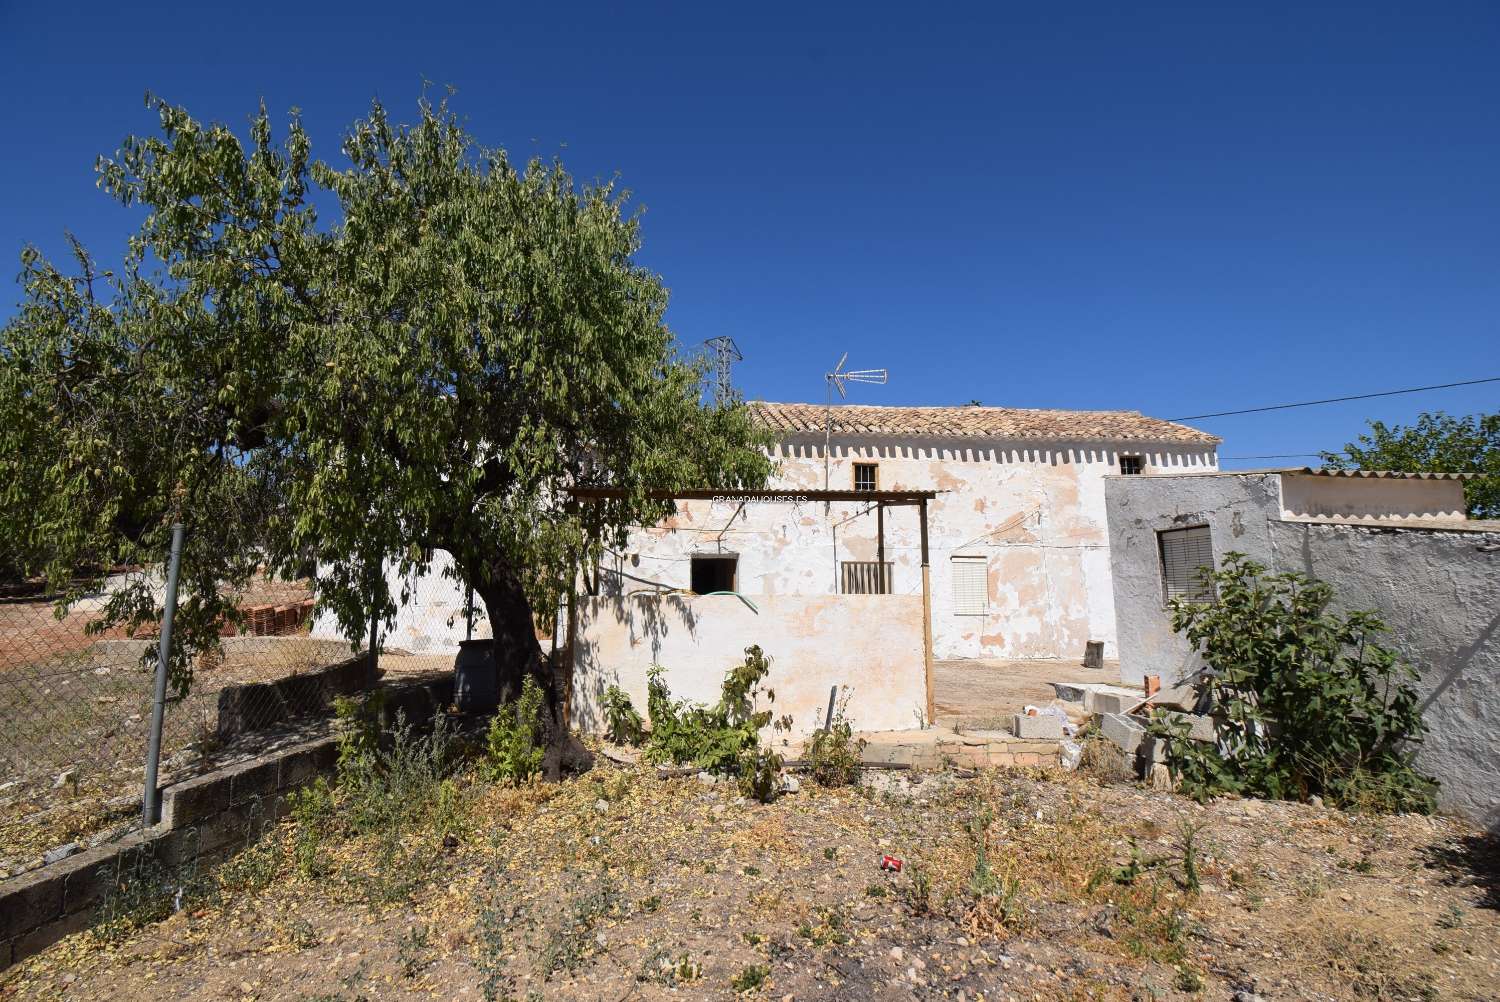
column 836, row 381
column 726, row 353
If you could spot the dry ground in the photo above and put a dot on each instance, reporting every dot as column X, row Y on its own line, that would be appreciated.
column 982, row 693
column 621, row 886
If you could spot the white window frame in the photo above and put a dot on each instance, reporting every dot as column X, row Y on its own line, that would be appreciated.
column 963, row 569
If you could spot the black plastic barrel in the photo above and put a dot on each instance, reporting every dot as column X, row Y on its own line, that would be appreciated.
column 476, row 683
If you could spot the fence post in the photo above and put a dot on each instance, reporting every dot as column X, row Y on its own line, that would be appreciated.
column 151, row 801
column 374, row 639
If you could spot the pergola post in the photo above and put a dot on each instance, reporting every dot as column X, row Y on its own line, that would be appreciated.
column 885, row 586
column 926, row 614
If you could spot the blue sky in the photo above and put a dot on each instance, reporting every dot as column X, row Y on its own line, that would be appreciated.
column 1171, row 208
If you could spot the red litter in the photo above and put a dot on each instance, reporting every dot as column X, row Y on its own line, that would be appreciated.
column 890, row 863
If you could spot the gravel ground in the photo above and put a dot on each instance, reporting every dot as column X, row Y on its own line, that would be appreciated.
column 618, row 885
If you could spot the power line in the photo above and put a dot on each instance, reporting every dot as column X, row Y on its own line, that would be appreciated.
column 1338, row 400
column 1280, row 455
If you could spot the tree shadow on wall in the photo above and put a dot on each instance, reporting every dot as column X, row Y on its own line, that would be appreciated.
column 647, row 620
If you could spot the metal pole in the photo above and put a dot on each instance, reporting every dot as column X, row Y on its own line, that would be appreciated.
column 828, row 721
column 151, row 801
column 926, row 614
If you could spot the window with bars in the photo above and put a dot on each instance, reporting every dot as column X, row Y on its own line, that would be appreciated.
column 1183, row 553
column 866, row 476
column 971, row 586
column 863, row 577
column 1131, row 465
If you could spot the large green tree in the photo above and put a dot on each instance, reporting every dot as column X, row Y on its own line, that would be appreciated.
column 429, row 371
column 1437, row 443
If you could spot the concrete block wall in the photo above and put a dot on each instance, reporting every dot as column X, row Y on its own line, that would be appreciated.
column 204, row 821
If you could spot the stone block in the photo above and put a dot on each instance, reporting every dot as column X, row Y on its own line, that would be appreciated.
column 1042, row 727
column 1202, row 727
column 1126, row 732
column 887, row 754
column 1070, row 692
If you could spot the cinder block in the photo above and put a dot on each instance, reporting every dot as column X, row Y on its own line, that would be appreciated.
column 1111, row 702
column 1202, row 726
column 1126, row 732
column 91, row 871
column 29, row 901
column 257, row 778
column 194, row 799
column 1041, row 727
column 1178, row 697
column 43, row 936
column 307, row 761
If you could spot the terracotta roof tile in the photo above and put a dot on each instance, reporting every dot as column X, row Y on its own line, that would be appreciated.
column 977, row 422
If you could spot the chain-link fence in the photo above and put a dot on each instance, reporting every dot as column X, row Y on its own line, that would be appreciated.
column 76, row 704
column 75, row 708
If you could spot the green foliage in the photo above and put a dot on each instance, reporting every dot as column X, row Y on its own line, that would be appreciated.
column 750, row 978
column 1437, row 443
column 623, row 723
column 723, row 738
column 429, row 371
column 1306, row 701
column 513, row 743
column 312, row 810
column 833, row 755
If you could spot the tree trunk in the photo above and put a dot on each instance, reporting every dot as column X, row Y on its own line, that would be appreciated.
column 517, row 654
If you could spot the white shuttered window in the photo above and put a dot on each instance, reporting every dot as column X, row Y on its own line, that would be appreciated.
column 1183, row 552
column 971, row 586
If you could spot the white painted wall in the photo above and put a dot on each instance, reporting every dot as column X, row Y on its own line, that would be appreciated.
column 1439, row 591
column 869, row 643
column 1034, row 511
column 1374, row 498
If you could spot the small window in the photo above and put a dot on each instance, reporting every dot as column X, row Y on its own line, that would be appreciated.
column 1131, row 465
column 866, row 476
column 714, row 573
column 866, row 577
column 1183, row 553
column 971, row 586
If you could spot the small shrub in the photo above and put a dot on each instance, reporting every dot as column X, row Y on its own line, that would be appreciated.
column 514, row 741
column 723, row 738
column 312, row 812
column 1306, row 701
column 412, row 951
column 623, row 724
column 141, row 891
column 916, row 892
column 833, row 755
column 750, row 978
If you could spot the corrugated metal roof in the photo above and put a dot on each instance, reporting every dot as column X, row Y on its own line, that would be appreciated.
column 1012, row 423
column 1316, row 472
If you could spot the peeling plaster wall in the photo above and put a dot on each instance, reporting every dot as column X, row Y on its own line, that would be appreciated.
column 870, row 643
column 1439, row 592
column 1034, row 511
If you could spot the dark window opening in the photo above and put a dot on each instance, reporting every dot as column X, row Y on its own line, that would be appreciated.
column 1131, row 465
column 865, row 478
column 713, row 573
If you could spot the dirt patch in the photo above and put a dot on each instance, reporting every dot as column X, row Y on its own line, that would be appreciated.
column 618, row 885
